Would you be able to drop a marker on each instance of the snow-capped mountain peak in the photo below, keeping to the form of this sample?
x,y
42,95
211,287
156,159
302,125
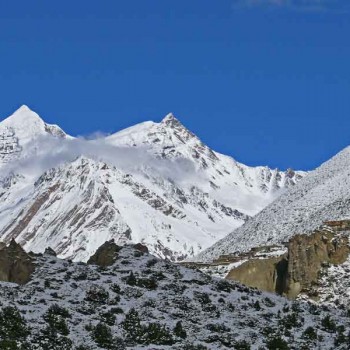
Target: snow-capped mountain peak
x,y
22,129
23,118
170,117
170,121
27,124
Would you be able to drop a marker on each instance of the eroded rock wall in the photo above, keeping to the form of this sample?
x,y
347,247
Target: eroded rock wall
x,y
265,274
306,256
299,270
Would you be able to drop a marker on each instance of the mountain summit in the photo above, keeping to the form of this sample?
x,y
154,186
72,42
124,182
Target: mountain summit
x,y
20,129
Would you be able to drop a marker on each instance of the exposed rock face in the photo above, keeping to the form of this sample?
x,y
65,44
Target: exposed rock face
x,y
15,264
297,271
9,147
306,256
105,255
265,274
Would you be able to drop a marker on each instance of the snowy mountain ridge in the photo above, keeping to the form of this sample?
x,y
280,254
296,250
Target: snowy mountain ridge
x,y
155,183
322,196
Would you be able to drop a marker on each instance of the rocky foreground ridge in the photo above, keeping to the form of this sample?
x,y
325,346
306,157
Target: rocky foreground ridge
x,y
125,298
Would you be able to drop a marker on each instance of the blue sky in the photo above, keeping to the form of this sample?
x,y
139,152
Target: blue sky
x,y
266,81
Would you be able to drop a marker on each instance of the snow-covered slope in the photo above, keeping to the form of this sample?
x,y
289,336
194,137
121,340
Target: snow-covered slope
x,y
140,302
321,196
155,183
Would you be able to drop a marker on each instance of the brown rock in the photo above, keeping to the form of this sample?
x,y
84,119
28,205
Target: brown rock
x,y
307,254
15,264
265,274
299,270
142,248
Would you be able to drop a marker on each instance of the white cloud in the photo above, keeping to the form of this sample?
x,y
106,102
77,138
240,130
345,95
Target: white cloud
x,y
46,153
301,5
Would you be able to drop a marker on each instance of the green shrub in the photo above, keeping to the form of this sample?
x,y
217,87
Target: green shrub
x,y
12,326
108,317
328,324
49,339
115,288
97,294
131,279
277,343
224,286
269,303
55,317
310,333
257,306
102,335
241,345
132,326
291,320
179,331
157,334
148,283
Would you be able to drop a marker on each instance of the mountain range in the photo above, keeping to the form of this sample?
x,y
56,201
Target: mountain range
x,y
155,183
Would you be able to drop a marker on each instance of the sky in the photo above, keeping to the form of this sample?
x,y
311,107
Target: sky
x,y
265,81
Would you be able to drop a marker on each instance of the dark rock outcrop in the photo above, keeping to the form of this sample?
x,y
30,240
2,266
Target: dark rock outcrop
x,y
15,264
105,255
50,251
142,248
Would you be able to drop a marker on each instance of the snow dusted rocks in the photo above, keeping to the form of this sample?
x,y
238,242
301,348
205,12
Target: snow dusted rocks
x,y
140,302
155,183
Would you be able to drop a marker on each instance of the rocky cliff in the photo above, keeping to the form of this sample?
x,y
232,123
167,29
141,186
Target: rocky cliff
x,y
308,254
297,271
265,274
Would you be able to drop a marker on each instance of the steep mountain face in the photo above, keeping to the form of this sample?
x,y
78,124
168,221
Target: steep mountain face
x,y
139,302
154,183
249,188
322,196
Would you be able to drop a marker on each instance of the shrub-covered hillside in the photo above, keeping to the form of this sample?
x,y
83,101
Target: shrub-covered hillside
x,y
140,302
